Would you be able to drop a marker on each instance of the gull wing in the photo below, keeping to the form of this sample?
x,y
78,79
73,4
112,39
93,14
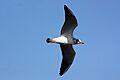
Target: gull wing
x,y
70,22
68,54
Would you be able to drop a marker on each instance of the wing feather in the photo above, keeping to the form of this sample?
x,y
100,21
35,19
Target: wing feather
x,y
70,22
68,54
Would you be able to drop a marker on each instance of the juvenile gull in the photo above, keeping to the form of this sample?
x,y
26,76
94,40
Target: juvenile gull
x,y
66,40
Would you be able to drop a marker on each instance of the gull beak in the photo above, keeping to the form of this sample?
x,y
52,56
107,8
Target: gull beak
x,y
82,42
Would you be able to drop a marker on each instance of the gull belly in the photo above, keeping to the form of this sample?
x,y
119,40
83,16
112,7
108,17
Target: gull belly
x,y
61,39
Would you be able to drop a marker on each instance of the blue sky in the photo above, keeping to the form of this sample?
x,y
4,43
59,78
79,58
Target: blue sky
x,y
25,25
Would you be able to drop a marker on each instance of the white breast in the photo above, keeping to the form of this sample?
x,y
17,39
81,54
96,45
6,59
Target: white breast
x,y
61,39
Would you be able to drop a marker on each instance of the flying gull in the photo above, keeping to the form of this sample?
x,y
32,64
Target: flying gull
x,y
66,40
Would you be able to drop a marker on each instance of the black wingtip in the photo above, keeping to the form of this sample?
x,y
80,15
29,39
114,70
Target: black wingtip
x,y
60,74
68,12
65,6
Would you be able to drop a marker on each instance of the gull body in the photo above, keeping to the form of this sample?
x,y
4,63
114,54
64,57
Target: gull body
x,y
66,40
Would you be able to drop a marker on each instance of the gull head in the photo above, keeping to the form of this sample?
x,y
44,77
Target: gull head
x,y
78,41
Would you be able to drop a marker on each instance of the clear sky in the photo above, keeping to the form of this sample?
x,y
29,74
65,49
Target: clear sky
x,y
25,25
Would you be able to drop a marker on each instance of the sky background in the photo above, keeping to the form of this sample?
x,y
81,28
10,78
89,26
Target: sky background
x,y
25,25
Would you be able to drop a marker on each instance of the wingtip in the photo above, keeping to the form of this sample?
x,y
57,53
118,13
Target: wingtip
x,y
65,6
60,74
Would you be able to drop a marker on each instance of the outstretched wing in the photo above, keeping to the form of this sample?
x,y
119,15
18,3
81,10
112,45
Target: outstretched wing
x,y
70,22
68,54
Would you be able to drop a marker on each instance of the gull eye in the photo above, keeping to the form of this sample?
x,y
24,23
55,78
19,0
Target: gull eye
x,y
77,41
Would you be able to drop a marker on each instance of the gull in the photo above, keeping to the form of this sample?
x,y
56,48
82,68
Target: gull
x,y
66,40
